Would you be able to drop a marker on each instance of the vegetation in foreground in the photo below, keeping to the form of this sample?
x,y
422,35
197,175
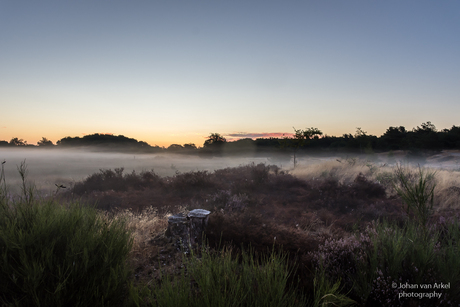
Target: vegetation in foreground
x,y
55,255
344,237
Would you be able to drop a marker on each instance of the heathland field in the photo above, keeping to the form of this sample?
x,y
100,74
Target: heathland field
x,y
344,231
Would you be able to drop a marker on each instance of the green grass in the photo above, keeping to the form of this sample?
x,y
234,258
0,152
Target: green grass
x,y
53,255
327,293
224,279
417,192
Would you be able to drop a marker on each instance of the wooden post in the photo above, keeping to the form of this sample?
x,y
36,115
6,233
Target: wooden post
x,y
187,231
198,222
178,229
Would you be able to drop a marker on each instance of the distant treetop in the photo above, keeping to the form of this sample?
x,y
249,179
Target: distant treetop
x,y
215,139
45,142
104,140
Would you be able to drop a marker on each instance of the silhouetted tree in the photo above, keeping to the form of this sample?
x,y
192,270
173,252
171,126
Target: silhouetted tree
x,y
45,142
425,137
394,138
426,128
215,139
109,140
361,138
18,142
69,141
299,139
451,138
190,146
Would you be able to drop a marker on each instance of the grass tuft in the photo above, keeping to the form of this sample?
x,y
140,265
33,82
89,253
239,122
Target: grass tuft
x,y
222,279
417,192
54,255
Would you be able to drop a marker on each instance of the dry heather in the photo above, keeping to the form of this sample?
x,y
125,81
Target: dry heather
x,y
345,171
259,206
342,170
149,253
315,199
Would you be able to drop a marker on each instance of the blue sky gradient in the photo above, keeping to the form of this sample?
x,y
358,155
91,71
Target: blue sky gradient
x,y
174,71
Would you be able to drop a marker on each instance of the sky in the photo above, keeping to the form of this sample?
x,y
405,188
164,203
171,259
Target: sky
x,y
172,72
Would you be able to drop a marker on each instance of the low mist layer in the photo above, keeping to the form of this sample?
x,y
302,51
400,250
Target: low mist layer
x,y
49,167
46,168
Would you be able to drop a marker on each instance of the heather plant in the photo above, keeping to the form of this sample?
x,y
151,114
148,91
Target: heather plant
x,y
260,172
248,178
337,259
192,180
370,264
115,180
225,200
309,222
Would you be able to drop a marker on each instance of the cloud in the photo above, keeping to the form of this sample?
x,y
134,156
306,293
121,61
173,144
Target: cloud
x,y
254,135
4,127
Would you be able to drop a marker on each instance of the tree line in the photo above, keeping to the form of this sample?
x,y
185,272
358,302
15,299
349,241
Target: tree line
x,y
425,137
102,141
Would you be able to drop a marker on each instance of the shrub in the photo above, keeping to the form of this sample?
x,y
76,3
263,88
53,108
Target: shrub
x,y
337,259
57,256
115,180
225,200
399,255
417,192
447,251
192,181
371,266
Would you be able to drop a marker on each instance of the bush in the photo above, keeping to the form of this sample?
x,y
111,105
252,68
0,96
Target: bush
x,y
417,192
115,180
372,266
57,256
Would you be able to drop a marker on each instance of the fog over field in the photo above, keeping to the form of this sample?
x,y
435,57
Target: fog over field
x,y
61,166
66,166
